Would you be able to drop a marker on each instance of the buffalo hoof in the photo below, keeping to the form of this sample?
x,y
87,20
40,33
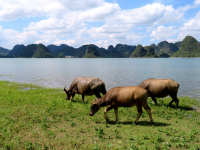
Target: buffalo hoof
x,y
91,114
135,122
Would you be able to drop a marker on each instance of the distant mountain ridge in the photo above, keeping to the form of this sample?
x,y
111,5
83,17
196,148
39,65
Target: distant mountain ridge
x,y
166,48
3,51
30,51
17,49
189,47
56,50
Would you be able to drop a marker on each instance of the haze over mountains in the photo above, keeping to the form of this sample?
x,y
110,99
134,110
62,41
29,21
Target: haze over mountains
x,y
189,47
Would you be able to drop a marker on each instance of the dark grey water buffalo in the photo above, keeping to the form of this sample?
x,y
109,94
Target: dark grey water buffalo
x,y
85,86
161,88
122,97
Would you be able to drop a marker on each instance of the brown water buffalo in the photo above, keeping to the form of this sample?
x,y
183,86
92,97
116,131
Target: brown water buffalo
x,y
85,86
161,88
122,97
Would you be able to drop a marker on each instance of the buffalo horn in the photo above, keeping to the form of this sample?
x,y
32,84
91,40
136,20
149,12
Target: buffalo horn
x,y
65,89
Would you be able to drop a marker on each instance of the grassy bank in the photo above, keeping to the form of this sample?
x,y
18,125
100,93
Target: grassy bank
x,y
32,117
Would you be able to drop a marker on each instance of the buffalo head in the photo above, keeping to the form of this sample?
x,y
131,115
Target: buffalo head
x,y
68,93
94,107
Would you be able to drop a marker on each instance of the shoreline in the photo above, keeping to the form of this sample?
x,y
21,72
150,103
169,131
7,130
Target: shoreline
x,y
94,57
48,87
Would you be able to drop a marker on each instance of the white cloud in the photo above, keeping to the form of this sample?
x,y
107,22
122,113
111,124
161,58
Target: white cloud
x,y
163,33
115,37
67,42
193,24
54,26
197,2
103,43
143,15
79,5
149,15
74,22
118,28
71,22
191,27
13,9
172,15
100,13
9,38
151,40
164,1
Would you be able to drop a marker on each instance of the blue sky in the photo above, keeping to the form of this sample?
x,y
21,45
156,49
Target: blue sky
x,y
100,22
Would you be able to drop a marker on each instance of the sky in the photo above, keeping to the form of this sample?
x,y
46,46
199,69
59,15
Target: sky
x,y
99,22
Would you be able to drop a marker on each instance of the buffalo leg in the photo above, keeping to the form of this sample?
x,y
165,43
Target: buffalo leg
x,y
103,91
148,109
83,98
116,114
174,99
155,101
139,110
96,92
177,101
106,110
97,95
170,104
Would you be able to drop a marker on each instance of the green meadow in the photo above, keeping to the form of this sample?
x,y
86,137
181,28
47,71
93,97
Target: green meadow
x,y
33,117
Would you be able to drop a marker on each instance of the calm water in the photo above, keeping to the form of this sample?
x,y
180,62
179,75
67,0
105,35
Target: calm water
x,y
113,71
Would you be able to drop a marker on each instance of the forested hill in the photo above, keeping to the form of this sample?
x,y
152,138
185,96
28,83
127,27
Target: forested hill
x,y
91,52
141,51
189,47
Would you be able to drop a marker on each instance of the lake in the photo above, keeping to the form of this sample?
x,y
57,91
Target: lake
x,y
58,72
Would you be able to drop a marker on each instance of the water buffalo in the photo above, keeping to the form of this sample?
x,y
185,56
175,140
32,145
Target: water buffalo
x,y
122,97
161,88
85,86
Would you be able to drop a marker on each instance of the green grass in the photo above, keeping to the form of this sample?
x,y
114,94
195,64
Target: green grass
x,y
32,117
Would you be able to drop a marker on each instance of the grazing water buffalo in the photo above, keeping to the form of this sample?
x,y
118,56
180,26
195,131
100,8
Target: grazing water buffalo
x,y
85,86
161,88
122,97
